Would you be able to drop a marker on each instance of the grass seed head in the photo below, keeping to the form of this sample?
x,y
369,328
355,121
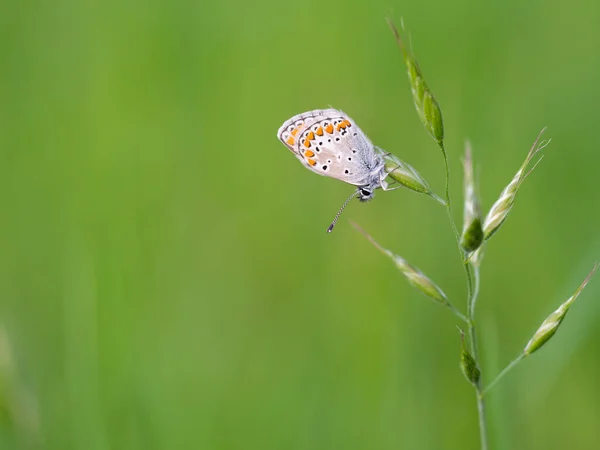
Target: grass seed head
x,y
406,175
472,235
499,211
468,366
553,321
427,107
419,280
414,276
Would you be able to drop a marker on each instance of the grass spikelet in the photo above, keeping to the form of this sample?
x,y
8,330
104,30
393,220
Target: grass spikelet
x,y
414,276
472,235
406,175
499,211
468,365
427,106
553,321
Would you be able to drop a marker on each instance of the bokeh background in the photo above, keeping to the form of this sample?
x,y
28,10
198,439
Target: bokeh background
x,y
166,281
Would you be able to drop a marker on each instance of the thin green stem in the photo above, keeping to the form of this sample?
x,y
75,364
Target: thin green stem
x,y
473,282
458,314
478,388
441,144
475,289
454,230
507,369
481,413
472,298
448,200
467,268
472,293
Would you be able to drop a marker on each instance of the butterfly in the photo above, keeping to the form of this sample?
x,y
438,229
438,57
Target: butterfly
x,y
328,142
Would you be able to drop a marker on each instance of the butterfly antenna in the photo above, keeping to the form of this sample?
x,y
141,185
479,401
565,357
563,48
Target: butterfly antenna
x,y
337,216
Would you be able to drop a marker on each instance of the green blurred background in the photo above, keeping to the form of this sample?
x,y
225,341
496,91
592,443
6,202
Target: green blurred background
x,y
166,281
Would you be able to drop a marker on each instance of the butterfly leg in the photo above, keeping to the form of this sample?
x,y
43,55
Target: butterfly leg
x,y
382,152
387,188
387,173
384,184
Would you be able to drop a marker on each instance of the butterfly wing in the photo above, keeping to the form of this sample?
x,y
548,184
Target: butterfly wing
x,y
288,133
329,143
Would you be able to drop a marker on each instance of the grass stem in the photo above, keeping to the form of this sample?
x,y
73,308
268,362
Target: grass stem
x,y
472,293
507,369
458,314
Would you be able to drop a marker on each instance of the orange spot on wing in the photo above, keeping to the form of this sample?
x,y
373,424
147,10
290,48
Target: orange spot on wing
x,y
290,141
343,124
312,162
320,131
307,144
310,136
329,128
309,154
347,122
294,131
